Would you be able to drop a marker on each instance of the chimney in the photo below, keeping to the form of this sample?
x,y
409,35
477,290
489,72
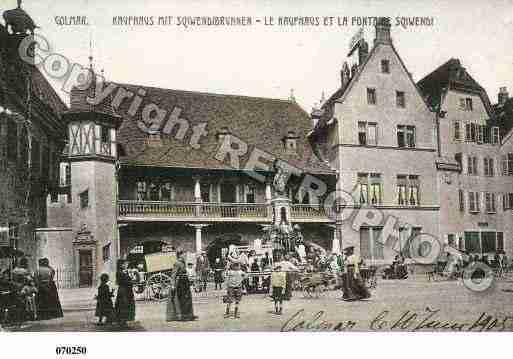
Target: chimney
x,y
363,51
503,95
383,31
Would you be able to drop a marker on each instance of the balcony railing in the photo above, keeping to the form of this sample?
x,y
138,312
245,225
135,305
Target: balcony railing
x,y
160,209
311,211
156,210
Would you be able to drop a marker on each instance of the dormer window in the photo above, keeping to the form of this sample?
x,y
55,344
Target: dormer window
x,y
290,142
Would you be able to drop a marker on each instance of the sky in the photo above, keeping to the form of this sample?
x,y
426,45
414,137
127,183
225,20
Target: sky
x,y
269,61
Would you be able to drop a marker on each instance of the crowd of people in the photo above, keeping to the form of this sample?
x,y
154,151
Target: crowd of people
x,y
29,295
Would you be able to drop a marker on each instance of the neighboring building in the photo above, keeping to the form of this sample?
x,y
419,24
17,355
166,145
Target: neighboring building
x,y
472,174
32,136
133,189
379,134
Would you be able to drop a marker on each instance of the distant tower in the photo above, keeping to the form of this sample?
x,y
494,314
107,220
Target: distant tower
x,y
92,156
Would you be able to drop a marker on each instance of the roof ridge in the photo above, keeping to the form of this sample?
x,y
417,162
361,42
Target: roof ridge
x,y
207,93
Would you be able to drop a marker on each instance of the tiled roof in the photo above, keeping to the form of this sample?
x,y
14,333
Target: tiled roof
x,y
259,122
450,75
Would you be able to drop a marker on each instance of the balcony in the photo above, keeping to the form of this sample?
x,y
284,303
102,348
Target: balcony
x,y
192,212
162,211
311,213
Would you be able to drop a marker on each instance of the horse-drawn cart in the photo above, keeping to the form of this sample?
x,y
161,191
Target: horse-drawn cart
x,y
155,282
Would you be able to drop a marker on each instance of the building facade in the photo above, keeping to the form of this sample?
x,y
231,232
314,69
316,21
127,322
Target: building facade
x,y
472,214
379,133
433,156
199,178
31,140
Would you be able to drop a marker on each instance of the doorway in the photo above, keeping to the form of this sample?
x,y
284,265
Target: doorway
x,y
85,260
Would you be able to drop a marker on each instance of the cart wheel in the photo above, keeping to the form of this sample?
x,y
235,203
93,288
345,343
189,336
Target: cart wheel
x,y
159,285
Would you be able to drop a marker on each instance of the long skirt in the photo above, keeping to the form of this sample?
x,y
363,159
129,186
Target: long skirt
x,y
48,303
353,288
125,304
179,302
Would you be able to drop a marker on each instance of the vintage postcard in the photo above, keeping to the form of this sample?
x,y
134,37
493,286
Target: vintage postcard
x,y
246,166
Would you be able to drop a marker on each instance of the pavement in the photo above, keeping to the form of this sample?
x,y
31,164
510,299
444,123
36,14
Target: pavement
x,y
414,304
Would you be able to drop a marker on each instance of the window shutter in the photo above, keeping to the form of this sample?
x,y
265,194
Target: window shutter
x,y
504,161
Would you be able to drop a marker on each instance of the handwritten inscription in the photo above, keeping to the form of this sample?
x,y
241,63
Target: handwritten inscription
x,y
427,320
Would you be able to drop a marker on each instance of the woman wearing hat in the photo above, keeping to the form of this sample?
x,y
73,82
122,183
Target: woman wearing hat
x,y
179,302
353,286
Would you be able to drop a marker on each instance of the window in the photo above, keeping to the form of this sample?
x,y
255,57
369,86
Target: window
x,y
401,139
371,96
466,104
473,132
507,164
369,189
363,189
362,133
480,133
495,135
385,66
106,252
484,242
468,132
54,196
490,202
401,190
405,136
370,243
249,193
375,189
507,201
400,100
142,194
461,198
408,190
372,134
488,167
12,140
367,133
473,202
457,131
458,158
472,165
84,199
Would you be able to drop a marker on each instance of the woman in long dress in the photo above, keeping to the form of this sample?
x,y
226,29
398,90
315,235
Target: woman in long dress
x,y
179,302
125,302
48,303
353,287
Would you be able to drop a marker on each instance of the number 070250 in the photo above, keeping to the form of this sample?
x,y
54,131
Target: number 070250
x,y
70,350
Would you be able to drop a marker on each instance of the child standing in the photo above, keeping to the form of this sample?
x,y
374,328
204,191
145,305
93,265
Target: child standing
x,y
104,306
234,279
278,283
